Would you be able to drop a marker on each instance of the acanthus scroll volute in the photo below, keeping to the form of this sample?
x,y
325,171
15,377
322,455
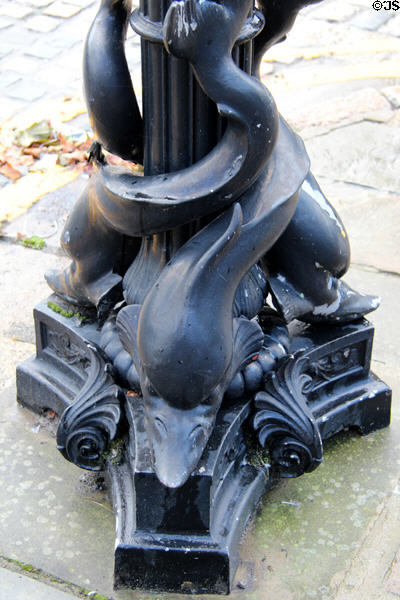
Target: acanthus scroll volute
x,y
89,424
284,422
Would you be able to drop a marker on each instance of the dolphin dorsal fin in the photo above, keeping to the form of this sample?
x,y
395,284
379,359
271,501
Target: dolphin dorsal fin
x,y
248,339
220,247
127,325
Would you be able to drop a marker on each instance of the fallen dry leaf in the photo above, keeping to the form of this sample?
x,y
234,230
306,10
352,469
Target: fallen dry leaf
x,y
116,161
37,132
76,156
32,151
26,160
9,171
36,143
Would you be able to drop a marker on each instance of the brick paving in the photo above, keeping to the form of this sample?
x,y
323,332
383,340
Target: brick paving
x,y
41,45
37,36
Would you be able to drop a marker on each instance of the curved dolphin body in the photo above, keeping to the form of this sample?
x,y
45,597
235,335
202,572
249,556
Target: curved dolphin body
x,y
185,341
118,202
139,206
110,98
188,340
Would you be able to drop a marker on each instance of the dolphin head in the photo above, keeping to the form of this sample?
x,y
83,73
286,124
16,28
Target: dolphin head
x,y
187,346
182,379
177,437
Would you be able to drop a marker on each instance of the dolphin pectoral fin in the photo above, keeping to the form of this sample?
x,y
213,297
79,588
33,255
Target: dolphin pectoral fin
x,y
248,339
127,324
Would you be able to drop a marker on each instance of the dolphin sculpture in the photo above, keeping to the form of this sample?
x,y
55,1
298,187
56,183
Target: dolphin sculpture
x,y
190,336
118,202
185,340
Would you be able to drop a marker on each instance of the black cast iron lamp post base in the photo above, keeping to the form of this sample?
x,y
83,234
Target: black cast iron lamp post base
x,y
216,314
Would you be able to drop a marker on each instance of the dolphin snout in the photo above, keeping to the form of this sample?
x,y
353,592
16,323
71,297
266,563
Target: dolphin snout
x,y
176,454
177,438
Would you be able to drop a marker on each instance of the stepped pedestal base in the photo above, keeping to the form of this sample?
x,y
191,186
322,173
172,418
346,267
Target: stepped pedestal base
x,y
187,539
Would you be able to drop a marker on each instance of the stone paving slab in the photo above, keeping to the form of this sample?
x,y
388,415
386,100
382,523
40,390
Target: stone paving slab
x,y
18,587
335,12
22,287
375,569
54,521
313,38
371,218
392,93
19,196
371,159
49,518
367,104
62,9
27,90
46,218
15,10
50,27
392,27
369,19
13,352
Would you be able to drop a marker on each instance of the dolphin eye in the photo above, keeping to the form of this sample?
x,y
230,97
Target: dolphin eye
x,y
196,431
160,425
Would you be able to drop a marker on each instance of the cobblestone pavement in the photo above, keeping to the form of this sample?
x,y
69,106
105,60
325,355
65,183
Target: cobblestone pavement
x,y
41,50
333,534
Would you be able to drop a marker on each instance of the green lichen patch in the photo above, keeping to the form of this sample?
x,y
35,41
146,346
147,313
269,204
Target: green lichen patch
x,y
115,453
68,314
28,568
256,455
40,575
35,242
